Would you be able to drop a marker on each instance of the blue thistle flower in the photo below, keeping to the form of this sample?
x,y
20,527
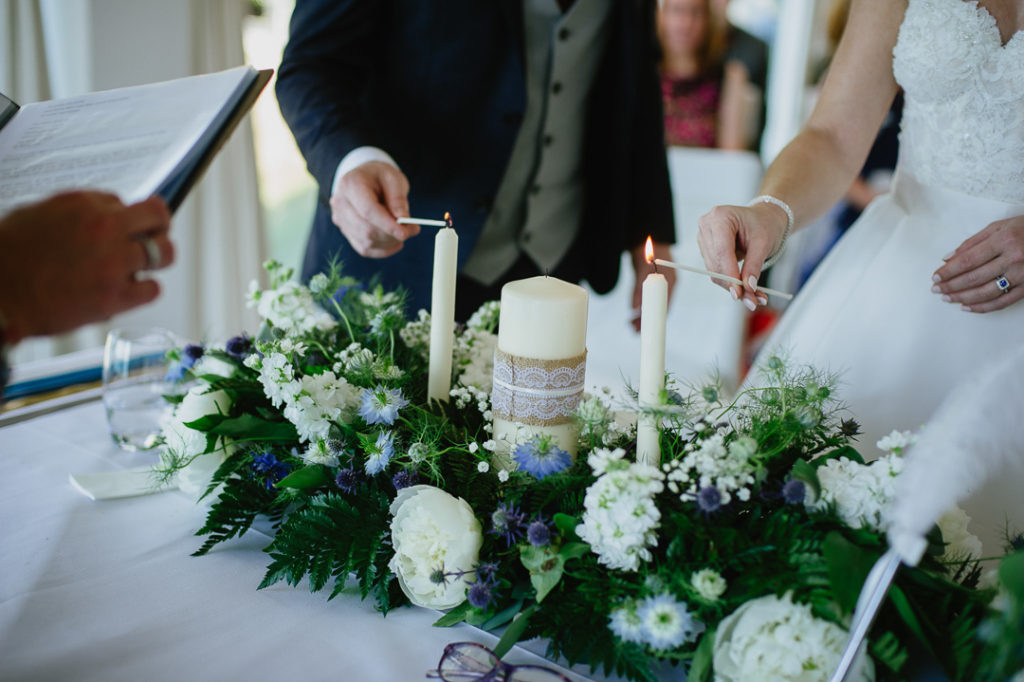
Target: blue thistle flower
x,y
190,354
540,457
380,453
487,571
238,346
507,521
794,491
380,405
709,499
538,533
175,373
347,480
480,595
404,479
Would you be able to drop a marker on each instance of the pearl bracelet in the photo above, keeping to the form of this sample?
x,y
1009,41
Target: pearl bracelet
x,y
769,199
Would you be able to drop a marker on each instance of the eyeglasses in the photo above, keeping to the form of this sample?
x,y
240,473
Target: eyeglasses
x,y
472,662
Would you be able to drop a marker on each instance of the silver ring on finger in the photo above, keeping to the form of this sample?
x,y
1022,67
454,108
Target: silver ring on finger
x,y
152,253
1003,284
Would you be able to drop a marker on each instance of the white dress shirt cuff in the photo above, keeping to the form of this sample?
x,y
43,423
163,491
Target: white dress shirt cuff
x,y
357,157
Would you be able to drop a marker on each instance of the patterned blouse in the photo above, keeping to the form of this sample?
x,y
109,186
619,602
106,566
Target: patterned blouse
x,y
691,109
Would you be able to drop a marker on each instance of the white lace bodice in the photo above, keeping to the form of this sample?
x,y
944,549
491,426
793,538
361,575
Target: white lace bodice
x,y
963,115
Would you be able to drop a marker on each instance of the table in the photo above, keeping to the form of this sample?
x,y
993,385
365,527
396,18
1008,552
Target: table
x,y
107,590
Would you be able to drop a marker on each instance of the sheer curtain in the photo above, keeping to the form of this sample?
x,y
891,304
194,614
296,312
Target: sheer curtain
x,y
218,229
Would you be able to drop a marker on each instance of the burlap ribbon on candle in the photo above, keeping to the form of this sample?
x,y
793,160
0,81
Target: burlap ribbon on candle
x,y
537,392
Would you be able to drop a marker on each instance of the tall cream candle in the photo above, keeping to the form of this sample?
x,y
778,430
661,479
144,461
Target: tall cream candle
x,y
442,314
540,362
653,311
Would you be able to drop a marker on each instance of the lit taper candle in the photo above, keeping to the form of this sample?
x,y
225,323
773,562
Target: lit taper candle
x,y
653,312
442,312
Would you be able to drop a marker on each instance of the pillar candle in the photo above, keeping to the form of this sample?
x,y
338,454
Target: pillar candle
x,y
653,311
539,362
442,314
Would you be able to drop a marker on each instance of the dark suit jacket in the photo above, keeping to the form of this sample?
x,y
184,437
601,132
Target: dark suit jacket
x,y
440,87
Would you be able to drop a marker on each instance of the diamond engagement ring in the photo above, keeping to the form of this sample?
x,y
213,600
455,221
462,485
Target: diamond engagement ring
x,y
152,253
1003,284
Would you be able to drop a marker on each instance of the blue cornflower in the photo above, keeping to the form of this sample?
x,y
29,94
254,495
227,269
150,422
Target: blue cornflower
x,y
238,346
381,405
507,521
540,457
538,533
267,466
404,479
709,499
480,595
380,453
794,491
190,354
347,480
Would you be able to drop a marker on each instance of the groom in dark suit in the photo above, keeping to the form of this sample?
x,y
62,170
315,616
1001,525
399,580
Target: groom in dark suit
x,y
536,123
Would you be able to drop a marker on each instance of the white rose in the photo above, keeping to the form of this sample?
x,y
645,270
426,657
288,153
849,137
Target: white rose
x,y
774,639
432,530
187,443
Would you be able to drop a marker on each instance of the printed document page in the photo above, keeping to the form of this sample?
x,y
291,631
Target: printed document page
x,y
124,141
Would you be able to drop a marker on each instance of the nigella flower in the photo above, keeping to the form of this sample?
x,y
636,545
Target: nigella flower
x,y
667,623
404,479
480,595
507,521
709,499
538,533
381,405
190,354
794,492
267,466
348,480
626,624
238,346
540,457
380,453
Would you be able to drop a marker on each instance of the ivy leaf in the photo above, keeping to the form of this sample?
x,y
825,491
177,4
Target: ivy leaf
x,y
514,632
545,568
312,476
806,473
566,525
574,550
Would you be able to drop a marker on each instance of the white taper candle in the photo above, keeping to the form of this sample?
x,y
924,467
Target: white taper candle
x,y
653,311
442,314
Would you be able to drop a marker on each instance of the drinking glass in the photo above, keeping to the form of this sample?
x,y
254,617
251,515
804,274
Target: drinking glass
x,y
134,382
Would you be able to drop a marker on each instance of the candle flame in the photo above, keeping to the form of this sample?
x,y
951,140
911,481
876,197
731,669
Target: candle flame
x,y
649,250
448,218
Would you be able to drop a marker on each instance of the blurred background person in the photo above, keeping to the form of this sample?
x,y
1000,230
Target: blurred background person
x,y
706,99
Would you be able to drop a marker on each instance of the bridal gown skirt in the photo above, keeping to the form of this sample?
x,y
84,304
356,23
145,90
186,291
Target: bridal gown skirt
x,y
868,314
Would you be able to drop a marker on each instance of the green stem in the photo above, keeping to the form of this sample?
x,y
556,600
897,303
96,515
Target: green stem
x,y
344,318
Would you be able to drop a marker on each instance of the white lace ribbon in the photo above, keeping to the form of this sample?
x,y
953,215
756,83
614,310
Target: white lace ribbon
x,y
537,392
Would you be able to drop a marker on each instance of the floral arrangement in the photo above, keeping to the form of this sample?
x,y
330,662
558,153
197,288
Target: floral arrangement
x,y
739,557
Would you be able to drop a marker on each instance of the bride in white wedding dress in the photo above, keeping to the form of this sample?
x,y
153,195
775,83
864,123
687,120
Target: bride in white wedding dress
x,y
925,288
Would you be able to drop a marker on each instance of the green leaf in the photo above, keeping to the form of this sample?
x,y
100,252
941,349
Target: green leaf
x,y
1011,575
846,451
514,632
566,525
700,667
805,472
545,568
455,616
503,617
909,616
251,427
312,476
206,423
574,550
848,567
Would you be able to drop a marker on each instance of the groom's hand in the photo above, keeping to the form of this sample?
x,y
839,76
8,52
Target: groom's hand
x,y
368,200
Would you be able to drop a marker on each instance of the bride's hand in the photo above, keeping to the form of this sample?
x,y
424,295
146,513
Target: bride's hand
x,y
730,234
973,273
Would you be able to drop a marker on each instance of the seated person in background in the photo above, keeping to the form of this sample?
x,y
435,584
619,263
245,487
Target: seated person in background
x,y
705,98
74,259
746,59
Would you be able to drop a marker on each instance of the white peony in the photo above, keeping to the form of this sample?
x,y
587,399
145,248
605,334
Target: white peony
x,y
432,531
961,544
774,639
189,444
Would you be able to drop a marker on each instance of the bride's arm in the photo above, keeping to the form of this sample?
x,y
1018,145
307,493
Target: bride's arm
x,y
817,167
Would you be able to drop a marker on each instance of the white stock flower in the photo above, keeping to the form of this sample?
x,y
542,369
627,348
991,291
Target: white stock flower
x,y
620,520
433,531
321,399
708,583
278,379
774,639
291,307
897,441
861,493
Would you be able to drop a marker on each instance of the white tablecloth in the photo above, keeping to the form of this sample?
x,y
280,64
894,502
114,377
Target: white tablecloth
x,y
107,590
